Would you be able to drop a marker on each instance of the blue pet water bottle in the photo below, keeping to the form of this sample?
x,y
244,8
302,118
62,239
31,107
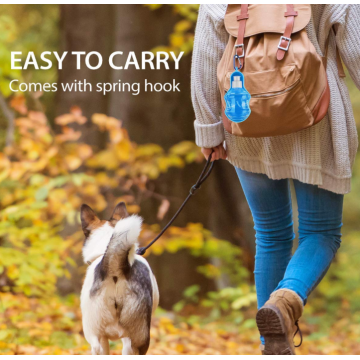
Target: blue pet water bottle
x,y
237,99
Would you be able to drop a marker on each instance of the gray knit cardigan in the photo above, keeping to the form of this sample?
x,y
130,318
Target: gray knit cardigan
x,y
323,154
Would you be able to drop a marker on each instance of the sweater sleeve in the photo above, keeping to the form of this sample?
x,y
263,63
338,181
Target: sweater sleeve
x,y
348,41
209,45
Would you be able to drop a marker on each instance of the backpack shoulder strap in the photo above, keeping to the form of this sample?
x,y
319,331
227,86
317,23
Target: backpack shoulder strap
x,y
339,65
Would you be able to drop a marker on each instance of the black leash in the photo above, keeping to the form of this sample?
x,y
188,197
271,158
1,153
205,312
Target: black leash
x,y
203,176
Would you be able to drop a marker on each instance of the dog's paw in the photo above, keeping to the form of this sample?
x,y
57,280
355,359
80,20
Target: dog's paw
x,y
96,350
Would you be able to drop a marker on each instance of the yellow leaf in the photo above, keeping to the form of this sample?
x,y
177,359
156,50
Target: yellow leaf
x,y
122,150
148,150
116,135
105,159
176,40
18,103
179,348
72,162
105,122
133,209
183,148
74,117
84,151
183,25
37,117
68,134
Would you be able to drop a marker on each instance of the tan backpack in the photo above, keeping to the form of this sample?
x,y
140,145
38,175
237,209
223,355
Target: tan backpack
x,y
284,75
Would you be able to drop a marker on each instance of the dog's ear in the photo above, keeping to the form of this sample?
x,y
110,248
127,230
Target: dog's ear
x,y
88,217
119,213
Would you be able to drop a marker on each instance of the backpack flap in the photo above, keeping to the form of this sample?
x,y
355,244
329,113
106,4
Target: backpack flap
x,y
273,14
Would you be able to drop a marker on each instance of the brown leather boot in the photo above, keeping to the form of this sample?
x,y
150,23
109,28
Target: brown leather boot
x,y
277,322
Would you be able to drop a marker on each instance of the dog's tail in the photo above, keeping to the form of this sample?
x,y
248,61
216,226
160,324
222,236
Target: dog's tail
x,y
120,253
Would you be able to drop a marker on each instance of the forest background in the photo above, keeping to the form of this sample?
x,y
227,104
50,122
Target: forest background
x,y
61,149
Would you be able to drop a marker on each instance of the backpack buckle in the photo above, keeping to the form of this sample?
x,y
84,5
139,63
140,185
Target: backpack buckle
x,y
285,39
243,50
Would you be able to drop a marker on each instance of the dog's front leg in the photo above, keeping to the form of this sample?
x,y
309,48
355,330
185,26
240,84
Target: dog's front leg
x,y
100,346
131,347
127,347
104,342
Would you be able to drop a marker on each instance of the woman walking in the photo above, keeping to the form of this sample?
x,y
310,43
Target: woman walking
x,y
319,159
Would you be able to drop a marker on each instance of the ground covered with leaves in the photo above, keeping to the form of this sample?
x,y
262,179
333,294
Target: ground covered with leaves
x,y
53,326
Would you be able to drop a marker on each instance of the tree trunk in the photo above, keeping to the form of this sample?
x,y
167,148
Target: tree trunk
x,y
85,28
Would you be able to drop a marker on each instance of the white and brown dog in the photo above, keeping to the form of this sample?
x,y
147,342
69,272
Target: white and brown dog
x,y
120,292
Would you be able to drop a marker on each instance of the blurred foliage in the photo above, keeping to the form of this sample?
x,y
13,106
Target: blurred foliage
x,y
200,242
182,37
223,307
44,178
27,28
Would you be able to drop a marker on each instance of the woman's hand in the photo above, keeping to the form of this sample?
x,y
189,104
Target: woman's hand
x,y
219,152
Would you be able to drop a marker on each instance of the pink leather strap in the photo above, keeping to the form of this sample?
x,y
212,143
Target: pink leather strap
x,y
240,49
286,38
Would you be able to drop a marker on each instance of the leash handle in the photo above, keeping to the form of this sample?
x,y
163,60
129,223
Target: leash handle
x,y
203,176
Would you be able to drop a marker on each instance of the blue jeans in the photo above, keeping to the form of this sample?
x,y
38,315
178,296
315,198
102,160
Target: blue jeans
x,y
320,221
